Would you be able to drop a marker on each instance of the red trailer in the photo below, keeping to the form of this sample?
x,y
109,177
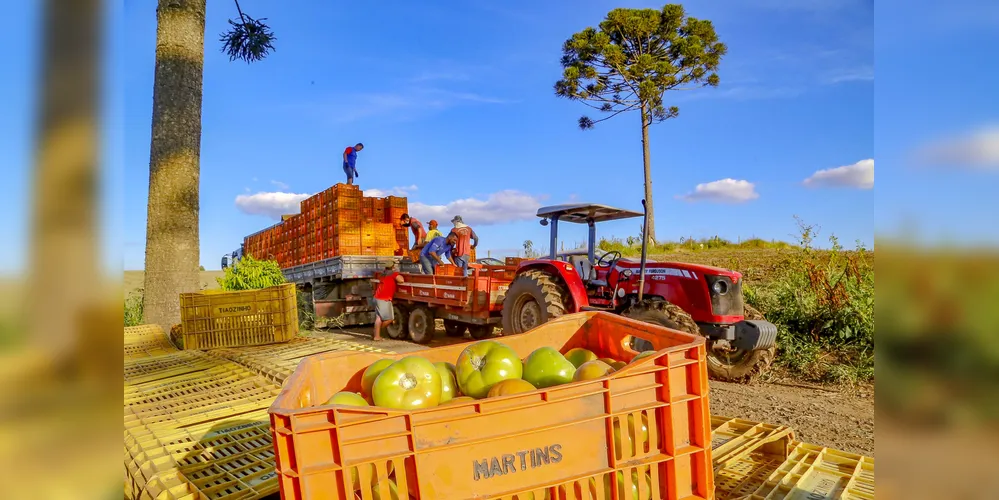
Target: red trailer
x,y
474,303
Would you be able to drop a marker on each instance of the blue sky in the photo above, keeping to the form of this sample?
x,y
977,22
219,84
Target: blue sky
x,y
458,102
456,109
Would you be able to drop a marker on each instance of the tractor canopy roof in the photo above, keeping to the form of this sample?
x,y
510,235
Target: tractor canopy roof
x,y
581,213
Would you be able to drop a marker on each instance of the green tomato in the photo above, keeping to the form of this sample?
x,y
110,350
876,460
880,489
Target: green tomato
x,y
355,475
624,441
643,354
347,399
408,384
577,356
484,364
449,385
634,493
546,367
393,490
371,373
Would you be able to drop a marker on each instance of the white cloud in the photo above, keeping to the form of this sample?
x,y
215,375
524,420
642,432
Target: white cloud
x,y
498,208
976,150
407,104
428,76
396,191
280,185
860,175
848,75
723,191
272,205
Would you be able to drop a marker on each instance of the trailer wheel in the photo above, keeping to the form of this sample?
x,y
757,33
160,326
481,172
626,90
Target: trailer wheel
x,y
399,327
454,328
479,332
421,325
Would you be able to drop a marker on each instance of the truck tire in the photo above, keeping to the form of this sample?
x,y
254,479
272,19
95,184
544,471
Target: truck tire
x,y
421,325
454,328
399,327
479,332
534,298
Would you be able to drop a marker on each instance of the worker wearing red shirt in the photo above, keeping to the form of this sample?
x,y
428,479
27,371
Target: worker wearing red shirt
x,y
350,162
467,240
384,313
419,234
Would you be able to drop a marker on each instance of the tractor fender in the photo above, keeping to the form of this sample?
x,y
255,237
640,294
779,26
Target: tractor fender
x,y
565,272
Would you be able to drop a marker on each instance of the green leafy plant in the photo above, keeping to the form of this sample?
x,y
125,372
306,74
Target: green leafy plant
x,y
133,309
248,39
306,310
251,274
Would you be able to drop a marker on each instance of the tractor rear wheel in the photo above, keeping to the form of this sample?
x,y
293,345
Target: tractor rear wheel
x,y
454,328
534,298
399,327
421,325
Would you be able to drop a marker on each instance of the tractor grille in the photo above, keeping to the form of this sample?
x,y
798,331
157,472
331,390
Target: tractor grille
x,y
728,304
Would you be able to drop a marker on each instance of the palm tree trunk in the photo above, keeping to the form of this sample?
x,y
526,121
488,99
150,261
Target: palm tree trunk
x,y
648,174
172,239
63,271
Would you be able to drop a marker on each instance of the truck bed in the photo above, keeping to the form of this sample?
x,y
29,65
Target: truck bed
x,y
343,267
480,294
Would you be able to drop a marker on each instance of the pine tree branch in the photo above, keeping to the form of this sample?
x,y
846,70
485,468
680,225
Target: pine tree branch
x,y
608,117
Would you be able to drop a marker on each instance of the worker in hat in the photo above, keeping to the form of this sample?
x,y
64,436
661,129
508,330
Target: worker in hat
x,y
466,241
433,232
419,234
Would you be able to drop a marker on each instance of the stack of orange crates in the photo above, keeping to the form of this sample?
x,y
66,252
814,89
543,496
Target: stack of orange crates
x,y
337,221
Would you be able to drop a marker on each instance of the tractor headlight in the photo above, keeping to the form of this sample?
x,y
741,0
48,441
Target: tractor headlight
x,y
720,287
626,274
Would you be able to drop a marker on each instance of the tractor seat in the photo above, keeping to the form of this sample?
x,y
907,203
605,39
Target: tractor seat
x,y
593,281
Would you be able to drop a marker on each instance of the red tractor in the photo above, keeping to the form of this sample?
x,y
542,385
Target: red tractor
x,y
698,299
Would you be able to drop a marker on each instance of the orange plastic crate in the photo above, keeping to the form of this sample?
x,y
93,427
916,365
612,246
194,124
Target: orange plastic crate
x,y
556,442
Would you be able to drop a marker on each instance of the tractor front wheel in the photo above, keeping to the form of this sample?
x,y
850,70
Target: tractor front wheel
x,y
724,363
729,364
739,365
534,298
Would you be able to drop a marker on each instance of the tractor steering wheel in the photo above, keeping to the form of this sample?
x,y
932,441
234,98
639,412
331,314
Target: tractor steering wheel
x,y
610,262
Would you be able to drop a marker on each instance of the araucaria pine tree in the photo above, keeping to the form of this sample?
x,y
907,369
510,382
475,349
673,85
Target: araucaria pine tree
x,y
629,63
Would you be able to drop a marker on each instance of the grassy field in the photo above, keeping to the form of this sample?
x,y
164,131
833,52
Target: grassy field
x,y
134,279
822,301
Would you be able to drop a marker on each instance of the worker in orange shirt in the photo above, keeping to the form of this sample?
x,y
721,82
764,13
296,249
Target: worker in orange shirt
x,y
467,240
419,234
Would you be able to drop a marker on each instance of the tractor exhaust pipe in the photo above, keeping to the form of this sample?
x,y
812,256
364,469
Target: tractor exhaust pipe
x,y
645,249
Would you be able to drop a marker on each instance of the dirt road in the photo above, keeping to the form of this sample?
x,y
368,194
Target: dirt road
x,y
826,416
